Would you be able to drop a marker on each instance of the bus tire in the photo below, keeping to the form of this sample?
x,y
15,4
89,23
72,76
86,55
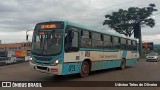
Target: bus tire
x,y
123,64
85,69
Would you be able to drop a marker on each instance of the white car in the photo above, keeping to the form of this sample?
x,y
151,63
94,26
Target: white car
x,y
152,57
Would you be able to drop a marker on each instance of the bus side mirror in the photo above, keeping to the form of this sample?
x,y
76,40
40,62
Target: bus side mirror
x,y
27,37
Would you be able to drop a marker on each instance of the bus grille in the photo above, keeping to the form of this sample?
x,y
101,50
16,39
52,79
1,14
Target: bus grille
x,y
43,58
42,68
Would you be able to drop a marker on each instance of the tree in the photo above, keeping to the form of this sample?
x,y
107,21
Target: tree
x,y
124,21
129,21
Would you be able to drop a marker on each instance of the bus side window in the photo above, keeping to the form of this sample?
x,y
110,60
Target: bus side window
x,y
75,39
68,37
71,39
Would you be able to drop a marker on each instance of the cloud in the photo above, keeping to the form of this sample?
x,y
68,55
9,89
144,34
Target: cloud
x,y
151,38
17,16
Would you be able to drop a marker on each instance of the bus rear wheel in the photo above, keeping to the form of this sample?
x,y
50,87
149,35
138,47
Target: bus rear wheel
x,y
123,64
85,69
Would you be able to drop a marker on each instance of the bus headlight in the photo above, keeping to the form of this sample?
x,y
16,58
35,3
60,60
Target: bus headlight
x,y
56,62
31,58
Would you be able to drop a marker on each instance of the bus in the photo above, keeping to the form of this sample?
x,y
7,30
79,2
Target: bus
x,y
64,47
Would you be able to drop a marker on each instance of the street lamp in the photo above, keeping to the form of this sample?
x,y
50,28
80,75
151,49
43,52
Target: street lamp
x,y
27,35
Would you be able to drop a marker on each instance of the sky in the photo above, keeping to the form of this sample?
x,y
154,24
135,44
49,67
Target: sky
x,y
17,16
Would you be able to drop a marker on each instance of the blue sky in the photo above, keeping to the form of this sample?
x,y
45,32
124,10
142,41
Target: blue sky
x,y
17,16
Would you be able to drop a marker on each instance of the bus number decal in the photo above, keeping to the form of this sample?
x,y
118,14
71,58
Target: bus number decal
x,y
71,68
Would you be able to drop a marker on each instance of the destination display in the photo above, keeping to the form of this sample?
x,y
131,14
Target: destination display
x,y
50,25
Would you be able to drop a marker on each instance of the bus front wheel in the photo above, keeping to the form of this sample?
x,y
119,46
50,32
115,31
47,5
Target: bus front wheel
x,y
84,69
123,64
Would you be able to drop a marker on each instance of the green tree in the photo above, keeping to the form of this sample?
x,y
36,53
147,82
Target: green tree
x,y
124,21
129,21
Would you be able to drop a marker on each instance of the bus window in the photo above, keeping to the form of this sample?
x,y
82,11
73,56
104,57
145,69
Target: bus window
x,y
123,43
116,43
71,39
85,38
75,39
107,41
134,45
96,40
129,46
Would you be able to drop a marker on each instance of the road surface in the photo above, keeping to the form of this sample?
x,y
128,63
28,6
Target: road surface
x,y
143,71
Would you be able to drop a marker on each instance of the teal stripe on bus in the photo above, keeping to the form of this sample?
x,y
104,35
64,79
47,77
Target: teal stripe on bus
x,y
102,50
131,62
75,67
105,64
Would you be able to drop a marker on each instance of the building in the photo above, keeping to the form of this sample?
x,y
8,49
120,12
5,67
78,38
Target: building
x,y
24,46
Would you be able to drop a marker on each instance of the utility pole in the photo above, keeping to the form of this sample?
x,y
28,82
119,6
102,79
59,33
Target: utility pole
x,y
27,34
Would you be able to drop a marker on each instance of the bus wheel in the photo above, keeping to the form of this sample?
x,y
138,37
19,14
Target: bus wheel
x,y
123,64
84,69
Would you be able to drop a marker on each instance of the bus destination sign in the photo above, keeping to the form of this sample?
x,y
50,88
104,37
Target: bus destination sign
x,y
50,25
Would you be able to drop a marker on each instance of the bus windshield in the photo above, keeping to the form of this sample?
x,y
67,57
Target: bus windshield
x,y
47,42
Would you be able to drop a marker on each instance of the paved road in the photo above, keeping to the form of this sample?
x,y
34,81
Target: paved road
x,y
143,71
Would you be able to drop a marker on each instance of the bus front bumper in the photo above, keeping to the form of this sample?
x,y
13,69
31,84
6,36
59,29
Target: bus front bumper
x,y
56,70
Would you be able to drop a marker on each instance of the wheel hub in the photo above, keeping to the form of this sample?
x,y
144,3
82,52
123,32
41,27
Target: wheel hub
x,y
85,69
